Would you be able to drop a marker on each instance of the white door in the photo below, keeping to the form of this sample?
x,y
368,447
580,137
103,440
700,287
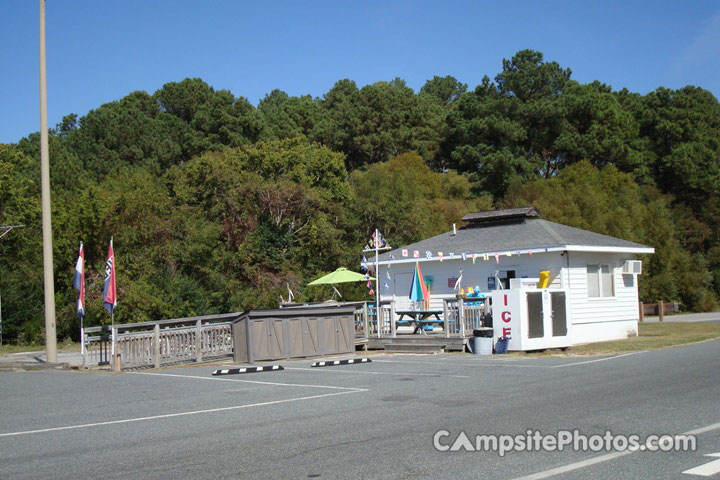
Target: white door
x,y
401,287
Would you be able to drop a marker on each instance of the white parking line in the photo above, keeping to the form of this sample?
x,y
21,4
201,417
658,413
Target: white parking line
x,y
335,370
258,382
602,458
495,363
492,363
170,415
574,466
614,357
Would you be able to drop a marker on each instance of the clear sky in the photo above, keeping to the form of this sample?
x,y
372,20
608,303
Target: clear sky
x,y
101,50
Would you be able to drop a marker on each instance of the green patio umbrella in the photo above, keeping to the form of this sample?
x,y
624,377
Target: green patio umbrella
x,y
341,275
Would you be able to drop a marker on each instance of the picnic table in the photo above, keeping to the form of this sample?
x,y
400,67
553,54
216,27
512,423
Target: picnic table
x,y
420,318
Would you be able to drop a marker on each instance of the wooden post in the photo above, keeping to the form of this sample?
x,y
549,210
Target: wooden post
x,y
366,320
461,316
661,308
83,337
446,323
198,341
113,337
156,345
642,311
378,325
393,327
116,362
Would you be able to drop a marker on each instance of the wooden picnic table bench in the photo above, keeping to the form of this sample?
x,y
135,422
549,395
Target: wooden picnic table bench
x,y
420,318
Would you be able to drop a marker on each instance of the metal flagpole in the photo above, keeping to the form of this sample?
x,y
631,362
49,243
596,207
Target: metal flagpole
x,y
376,247
377,279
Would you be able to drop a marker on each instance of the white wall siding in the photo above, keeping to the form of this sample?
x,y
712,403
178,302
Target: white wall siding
x,y
597,319
473,274
593,319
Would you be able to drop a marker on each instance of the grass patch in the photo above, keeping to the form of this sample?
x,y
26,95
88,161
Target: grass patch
x,y
651,336
7,349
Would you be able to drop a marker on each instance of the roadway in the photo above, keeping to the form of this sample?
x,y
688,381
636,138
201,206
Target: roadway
x,y
374,420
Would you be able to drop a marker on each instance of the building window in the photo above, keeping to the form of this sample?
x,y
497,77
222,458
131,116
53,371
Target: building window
x,y
504,277
600,281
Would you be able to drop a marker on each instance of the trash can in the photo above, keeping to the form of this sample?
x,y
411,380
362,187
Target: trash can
x,y
483,341
502,345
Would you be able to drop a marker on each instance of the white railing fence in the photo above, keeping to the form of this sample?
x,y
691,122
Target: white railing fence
x,y
152,344
464,314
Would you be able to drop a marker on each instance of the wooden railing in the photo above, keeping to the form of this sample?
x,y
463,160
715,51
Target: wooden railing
x,y
660,309
464,314
96,348
386,326
152,344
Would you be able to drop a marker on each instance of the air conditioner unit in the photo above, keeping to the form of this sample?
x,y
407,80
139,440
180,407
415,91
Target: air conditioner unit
x,y
632,267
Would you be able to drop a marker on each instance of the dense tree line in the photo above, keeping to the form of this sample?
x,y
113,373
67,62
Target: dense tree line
x,y
216,205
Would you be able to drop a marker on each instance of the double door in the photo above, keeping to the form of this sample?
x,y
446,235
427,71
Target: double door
x,y
275,338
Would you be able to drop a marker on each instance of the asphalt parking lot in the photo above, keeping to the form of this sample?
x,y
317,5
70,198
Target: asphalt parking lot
x,y
372,420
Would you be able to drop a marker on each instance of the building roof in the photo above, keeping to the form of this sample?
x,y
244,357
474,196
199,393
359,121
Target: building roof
x,y
516,230
502,215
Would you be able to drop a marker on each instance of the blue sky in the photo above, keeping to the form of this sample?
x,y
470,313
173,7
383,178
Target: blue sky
x,y
99,51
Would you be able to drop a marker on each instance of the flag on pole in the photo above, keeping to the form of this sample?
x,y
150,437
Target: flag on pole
x,y
377,240
79,282
364,264
109,291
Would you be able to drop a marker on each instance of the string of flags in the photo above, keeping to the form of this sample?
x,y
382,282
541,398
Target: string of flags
x,y
465,255
377,242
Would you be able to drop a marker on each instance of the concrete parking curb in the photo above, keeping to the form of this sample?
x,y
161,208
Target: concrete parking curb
x,y
28,366
341,362
236,371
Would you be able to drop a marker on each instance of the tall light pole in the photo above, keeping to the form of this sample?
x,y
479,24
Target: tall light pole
x,y
50,336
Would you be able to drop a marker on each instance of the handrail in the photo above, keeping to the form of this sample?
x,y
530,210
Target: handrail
x,y
146,344
223,317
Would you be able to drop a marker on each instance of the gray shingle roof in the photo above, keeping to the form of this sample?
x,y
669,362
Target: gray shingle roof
x,y
530,233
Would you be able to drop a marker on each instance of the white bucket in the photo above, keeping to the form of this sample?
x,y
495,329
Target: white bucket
x,y
482,345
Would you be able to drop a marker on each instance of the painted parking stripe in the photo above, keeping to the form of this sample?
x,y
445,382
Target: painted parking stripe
x,y
256,382
496,362
348,361
239,371
708,469
170,415
614,357
365,372
602,458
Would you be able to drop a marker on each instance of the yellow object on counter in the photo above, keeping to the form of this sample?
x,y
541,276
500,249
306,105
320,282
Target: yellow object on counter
x,y
544,279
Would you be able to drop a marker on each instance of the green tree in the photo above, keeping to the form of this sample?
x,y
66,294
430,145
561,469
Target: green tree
x,y
277,205
379,121
407,201
447,90
608,201
289,117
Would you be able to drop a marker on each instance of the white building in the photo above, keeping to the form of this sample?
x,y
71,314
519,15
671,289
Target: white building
x,y
596,272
